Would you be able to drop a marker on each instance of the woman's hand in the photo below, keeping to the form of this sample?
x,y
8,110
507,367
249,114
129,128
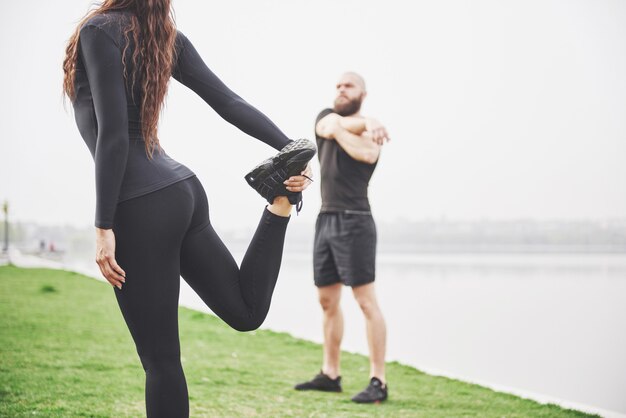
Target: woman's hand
x,y
299,183
105,257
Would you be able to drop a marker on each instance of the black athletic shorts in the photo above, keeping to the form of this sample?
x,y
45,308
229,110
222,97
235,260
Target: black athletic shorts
x,y
345,248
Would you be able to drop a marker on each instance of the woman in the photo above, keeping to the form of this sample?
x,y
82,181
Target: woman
x,y
152,220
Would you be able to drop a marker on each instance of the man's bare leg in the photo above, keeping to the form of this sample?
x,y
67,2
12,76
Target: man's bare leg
x,y
365,295
330,297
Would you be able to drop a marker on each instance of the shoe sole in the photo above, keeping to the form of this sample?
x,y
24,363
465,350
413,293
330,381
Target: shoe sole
x,y
320,390
290,161
299,151
377,401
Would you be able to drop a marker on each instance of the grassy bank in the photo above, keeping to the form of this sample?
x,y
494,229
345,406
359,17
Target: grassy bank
x,y
66,352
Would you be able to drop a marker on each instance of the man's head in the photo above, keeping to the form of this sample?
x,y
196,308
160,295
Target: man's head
x,y
350,94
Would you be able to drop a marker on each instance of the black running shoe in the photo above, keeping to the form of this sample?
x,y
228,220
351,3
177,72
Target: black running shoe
x,y
267,178
375,392
321,382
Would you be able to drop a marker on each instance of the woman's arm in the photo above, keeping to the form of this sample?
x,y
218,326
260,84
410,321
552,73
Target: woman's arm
x,y
191,71
103,64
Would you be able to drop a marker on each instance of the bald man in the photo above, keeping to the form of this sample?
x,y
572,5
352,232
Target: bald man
x,y
345,234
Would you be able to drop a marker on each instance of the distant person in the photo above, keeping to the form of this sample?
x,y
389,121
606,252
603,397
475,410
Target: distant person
x,y
152,215
345,234
42,245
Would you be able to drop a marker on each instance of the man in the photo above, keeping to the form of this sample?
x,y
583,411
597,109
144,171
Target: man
x,y
345,234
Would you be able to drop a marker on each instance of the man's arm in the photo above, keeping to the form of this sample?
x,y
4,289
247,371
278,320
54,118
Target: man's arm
x,y
360,147
358,125
353,124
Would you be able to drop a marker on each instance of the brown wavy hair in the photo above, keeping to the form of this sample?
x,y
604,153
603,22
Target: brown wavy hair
x,y
153,28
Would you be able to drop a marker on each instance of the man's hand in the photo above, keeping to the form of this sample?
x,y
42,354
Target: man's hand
x,y
299,183
377,130
105,257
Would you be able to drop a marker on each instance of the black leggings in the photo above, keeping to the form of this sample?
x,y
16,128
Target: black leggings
x,y
166,234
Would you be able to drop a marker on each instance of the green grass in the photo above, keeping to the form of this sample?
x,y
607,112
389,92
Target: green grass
x,y
66,352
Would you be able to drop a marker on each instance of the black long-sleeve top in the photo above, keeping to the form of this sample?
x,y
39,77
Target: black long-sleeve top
x,y
107,113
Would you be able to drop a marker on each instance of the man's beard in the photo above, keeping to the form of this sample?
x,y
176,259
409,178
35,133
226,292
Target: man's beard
x,y
348,108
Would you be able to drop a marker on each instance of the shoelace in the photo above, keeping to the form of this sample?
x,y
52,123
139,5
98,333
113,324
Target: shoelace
x,y
299,204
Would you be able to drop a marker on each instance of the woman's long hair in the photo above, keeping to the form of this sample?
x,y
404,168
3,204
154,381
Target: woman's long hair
x,y
154,32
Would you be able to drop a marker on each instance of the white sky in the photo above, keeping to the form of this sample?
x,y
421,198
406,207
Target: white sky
x,y
497,109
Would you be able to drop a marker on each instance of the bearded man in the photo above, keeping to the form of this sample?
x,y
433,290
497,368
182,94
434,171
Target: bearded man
x,y
345,234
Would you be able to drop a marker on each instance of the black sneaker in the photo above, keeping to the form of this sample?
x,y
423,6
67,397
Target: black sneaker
x,y
321,382
267,178
375,392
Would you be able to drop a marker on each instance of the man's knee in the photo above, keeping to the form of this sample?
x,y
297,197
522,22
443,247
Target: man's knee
x,y
368,307
329,297
366,298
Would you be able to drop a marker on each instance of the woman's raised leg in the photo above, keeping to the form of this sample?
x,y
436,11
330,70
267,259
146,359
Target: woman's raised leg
x,y
241,296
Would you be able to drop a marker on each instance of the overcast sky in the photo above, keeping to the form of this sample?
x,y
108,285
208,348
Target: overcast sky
x,y
497,109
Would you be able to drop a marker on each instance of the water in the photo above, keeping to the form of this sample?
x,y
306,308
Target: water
x,y
551,326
